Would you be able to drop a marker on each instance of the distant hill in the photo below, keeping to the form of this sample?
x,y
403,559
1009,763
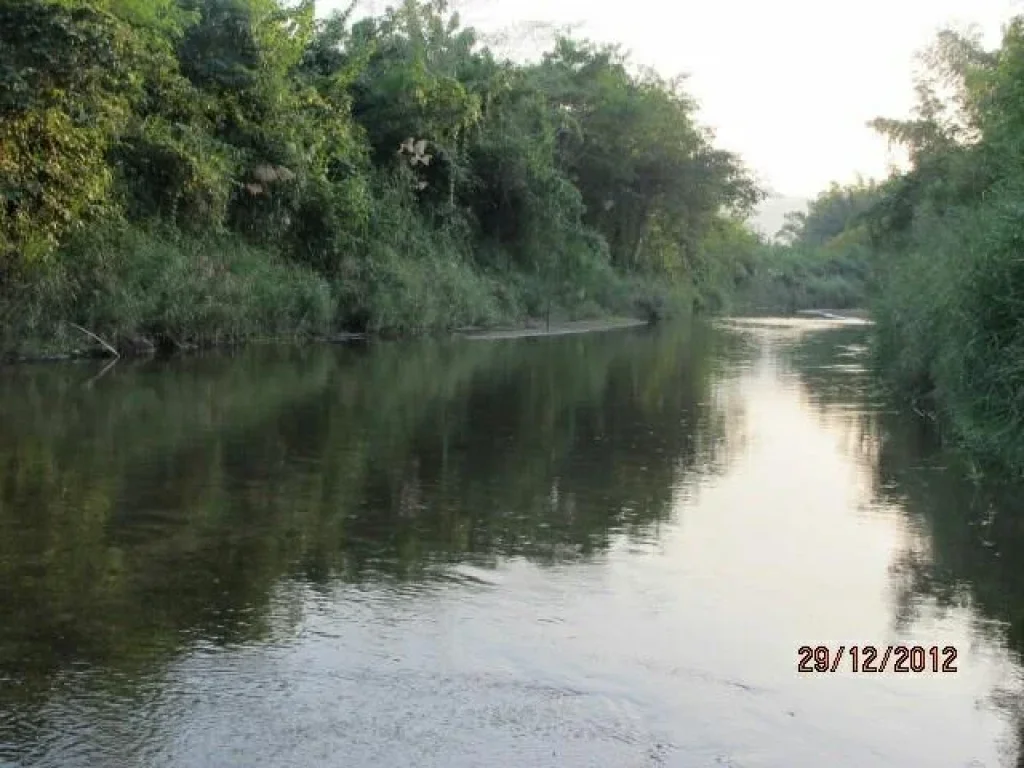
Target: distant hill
x,y
771,214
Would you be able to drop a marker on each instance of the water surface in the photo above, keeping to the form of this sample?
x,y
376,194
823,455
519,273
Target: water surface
x,y
594,550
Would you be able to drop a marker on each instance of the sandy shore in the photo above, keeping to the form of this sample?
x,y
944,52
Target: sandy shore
x,y
836,314
557,329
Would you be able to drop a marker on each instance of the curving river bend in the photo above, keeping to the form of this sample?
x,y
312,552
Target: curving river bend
x,y
594,550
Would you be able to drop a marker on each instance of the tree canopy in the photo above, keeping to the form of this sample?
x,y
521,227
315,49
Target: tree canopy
x,y
938,244
373,153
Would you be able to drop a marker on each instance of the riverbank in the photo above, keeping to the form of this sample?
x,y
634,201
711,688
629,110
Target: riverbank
x,y
131,292
806,318
556,329
836,314
142,347
290,185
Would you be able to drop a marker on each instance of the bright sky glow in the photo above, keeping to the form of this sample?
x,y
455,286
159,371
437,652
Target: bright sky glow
x,y
788,84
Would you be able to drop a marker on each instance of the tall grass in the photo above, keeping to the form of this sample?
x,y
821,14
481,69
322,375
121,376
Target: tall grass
x,y
393,294
413,275
154,285
145,287
950,323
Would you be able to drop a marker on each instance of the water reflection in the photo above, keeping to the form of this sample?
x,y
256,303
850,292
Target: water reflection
x,y
968,525
972,523
164,503
582,550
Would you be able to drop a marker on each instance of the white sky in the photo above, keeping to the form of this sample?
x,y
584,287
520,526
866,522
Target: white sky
x,y
788,84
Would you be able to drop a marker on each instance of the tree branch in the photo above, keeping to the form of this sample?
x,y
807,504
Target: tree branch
x,y
92,335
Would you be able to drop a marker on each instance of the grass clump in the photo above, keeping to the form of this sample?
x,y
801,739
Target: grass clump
x,y
157,286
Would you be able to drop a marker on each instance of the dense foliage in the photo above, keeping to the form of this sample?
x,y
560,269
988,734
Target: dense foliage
x,y
942,241
184,170
948,233
821,259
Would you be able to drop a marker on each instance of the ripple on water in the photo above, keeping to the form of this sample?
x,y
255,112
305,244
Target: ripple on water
x,y
576,551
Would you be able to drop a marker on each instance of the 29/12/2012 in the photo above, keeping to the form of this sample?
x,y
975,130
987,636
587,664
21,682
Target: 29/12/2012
x,y
903,659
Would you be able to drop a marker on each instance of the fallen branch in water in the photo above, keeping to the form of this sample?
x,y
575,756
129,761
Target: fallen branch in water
x,y
101,374
92,335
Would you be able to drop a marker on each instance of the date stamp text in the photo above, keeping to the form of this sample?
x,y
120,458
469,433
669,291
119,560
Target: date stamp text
x,y
904,659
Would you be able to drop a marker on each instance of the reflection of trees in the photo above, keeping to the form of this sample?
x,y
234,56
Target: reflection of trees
x,y
975,535
163,503
838,383
973,542
974,527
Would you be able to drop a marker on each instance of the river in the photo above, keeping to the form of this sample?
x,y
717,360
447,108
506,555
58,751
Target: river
x,y
593,550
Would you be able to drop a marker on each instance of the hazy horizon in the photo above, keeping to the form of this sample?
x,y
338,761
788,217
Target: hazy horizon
x,y
790,87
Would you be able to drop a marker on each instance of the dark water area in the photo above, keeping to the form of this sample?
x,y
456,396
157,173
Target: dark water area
x,y
592,550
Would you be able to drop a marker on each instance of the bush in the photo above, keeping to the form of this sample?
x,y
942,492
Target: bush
x,y
434,292
948,324
655,300
133,285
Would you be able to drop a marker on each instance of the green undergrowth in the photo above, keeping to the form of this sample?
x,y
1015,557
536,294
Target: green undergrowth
x,y
147,289
142,288
949,330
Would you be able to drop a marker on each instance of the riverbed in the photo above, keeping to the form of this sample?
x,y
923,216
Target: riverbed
x,y
585,550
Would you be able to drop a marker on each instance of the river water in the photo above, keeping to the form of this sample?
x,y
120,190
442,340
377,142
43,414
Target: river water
x,y
593,550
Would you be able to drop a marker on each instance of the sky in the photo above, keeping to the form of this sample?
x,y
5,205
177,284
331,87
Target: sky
x,y
789,85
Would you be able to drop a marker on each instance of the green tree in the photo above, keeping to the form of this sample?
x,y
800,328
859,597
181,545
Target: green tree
x,y
427,181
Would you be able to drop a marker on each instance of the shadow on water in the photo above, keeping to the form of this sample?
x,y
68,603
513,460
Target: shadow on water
x,y
971,526
163,504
